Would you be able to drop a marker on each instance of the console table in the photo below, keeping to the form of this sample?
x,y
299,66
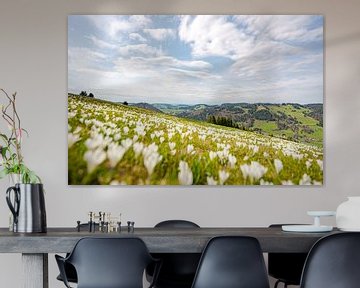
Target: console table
x,y
35,247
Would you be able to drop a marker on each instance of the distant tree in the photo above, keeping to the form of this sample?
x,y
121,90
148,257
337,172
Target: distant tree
x,y
83,93
223,121
91,95
264,114
126,103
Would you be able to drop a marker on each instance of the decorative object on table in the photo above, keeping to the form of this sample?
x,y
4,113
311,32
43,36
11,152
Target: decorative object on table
x,y
27,204
316,227
195,100
100,222
28,208
348,215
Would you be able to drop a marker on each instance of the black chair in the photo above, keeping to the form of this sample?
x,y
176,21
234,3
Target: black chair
x,y
108,263
178,269
69,269
333,262
232,262
286,267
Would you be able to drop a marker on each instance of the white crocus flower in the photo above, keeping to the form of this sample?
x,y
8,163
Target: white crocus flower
x,y
72,139
151,157
162,139
77,130
232,160
266,183
287,182
126,143
308,164
173,152
94,142
94,158
151,161
321,164
278,165
172,145
190,149
140,130
305,180
223,176
254,171
126,130
138,147
185,175
115,153
211,181
212,155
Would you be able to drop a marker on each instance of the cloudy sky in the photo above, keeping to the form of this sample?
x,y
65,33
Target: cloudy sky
x,y
197,59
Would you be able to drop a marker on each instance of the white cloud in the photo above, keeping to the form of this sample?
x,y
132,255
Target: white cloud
x,y
160,33
80,57
211,35
139,50
101,43
137,37
114,25
281,27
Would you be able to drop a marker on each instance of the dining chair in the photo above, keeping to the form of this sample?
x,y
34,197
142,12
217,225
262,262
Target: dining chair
x,y
108,263
333,262
178,269
232,262
70,271
286,267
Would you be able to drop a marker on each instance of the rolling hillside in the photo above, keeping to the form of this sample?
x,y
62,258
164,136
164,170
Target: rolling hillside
x,y
116,144
295,122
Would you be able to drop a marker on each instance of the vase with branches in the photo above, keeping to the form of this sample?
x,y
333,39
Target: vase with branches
x,y
11,158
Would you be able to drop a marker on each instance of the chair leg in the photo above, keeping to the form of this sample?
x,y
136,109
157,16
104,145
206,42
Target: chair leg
x,y
278,282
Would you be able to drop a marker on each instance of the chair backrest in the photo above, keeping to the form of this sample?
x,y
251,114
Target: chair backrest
x,y
232,262
176,224
333,262
286,266
110,262
177,268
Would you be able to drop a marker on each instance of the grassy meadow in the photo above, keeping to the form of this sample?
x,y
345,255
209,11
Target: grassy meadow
x,y
115,144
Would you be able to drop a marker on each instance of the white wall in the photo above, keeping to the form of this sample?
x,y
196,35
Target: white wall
x,y
33,62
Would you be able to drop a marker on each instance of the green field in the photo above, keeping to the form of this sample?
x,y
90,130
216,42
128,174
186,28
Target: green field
x,y
115,144
307,129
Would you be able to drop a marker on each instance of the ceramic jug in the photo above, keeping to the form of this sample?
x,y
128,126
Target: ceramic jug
x,y
28,208
348,215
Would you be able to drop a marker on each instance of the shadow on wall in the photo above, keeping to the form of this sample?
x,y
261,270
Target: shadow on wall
x,y
343,39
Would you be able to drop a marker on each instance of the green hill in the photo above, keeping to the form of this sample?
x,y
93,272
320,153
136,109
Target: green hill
x,y
295,122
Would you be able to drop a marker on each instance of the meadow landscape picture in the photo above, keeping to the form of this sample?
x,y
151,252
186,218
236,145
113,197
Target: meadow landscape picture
x,y
195,100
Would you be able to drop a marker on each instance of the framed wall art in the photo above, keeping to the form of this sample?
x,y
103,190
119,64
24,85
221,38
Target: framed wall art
x,y
195,99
